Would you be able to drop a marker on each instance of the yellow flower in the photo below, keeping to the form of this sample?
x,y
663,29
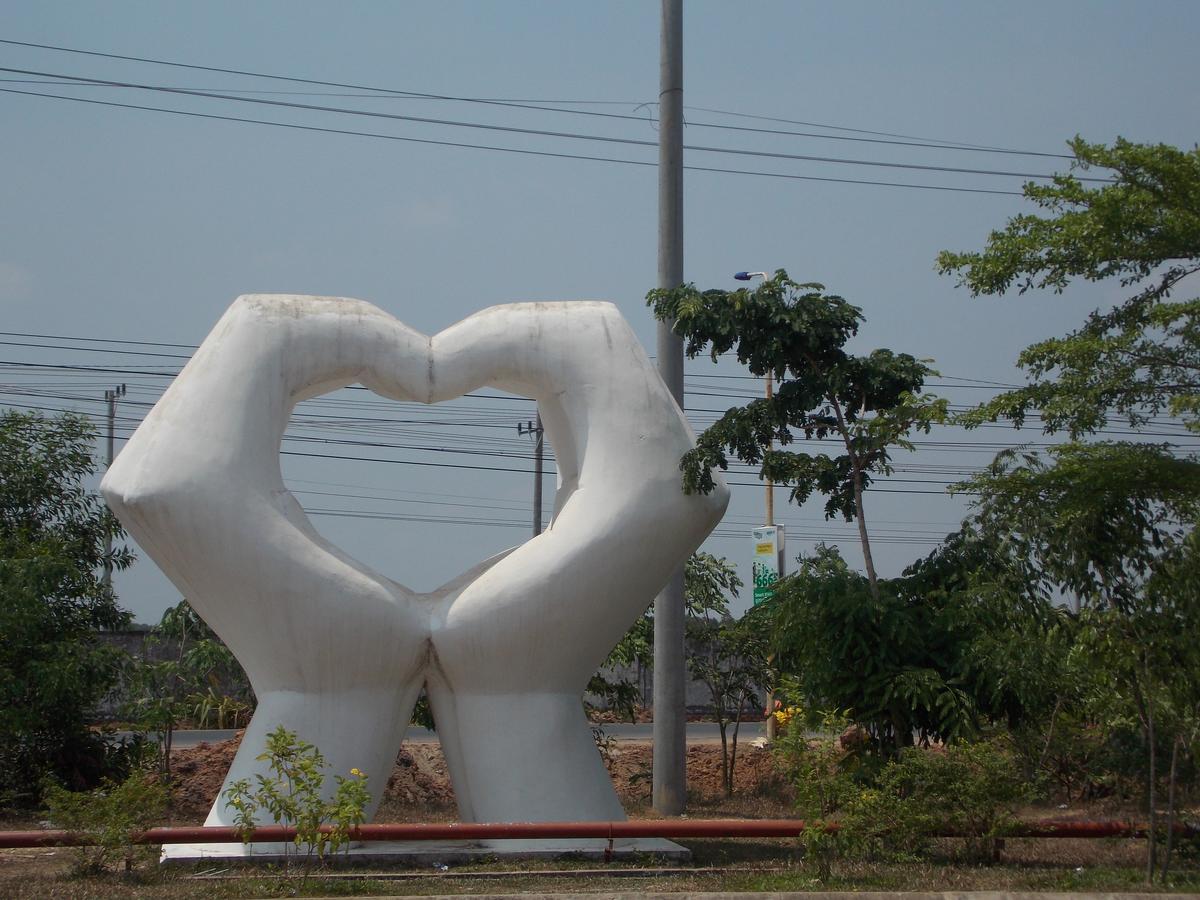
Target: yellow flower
x,y
357,773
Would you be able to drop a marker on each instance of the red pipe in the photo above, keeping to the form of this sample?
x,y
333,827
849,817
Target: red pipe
x,y
665,828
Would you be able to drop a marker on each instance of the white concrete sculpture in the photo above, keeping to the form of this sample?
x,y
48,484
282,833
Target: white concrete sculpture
x,y
337,652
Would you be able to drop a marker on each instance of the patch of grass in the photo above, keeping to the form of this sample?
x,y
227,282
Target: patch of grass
x,y
743,872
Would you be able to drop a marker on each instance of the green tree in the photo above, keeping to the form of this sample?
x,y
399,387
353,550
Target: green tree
x,y
730,658
707,580
201,675
1141,358
943,651
798,333
1111,523
295,795
52,602
1114,524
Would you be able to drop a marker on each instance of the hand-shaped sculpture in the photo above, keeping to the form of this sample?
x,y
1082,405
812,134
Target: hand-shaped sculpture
x,y
337,652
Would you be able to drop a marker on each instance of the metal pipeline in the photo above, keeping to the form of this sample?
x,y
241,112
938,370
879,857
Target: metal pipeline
x,y
468,831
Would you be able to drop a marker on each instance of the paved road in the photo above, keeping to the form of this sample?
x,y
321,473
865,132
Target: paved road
x,y
697,733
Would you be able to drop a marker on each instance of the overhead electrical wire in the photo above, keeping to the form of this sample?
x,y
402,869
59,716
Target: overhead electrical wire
x,y
537,132
731,394
388,426
65,81
879,136
71,81
349,426
511,150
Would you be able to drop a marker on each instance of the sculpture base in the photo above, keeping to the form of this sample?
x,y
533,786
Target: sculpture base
x,y
430,853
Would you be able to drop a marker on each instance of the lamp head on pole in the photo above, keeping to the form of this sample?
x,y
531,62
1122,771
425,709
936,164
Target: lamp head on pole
x,y
747,276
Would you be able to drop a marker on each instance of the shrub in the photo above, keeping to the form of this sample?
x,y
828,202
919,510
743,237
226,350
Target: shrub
x,y
295,796
112,815
892,814
972,789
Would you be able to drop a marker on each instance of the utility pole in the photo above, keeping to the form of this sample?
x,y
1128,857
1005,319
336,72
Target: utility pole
x,y
669,783
111,398
769,393
535,428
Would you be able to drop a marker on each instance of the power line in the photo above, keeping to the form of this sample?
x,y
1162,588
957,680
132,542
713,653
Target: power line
x,y
511,150
68,81
422,408
540,132
882,137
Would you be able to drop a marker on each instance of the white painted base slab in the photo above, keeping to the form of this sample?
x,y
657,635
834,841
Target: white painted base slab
x,y
430,853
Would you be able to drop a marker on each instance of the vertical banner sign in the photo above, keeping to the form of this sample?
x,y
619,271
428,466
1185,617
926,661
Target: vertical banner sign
x,y
768,560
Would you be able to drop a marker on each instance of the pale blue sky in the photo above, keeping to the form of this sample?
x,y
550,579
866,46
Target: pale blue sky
x,y
135,225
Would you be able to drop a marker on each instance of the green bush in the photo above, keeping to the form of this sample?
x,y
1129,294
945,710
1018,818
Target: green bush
x,y
821,772
53,600
294,796
971,790
112,815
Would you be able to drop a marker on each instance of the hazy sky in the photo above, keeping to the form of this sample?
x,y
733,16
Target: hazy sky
x,y
133,225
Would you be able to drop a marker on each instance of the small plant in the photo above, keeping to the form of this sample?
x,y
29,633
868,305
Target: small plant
x,y
212,709
112,815
822,772
978,786
606,744
294,795
893,813
784,715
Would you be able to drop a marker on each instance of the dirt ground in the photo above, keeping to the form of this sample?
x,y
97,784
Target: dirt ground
x,y
419,789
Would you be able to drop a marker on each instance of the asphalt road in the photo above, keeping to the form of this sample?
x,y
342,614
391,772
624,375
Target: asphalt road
x,y
697,733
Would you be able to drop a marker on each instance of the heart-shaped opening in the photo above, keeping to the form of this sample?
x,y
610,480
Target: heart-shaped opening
x,y
419,493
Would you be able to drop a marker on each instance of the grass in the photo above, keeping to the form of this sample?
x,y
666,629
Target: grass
x,y
773,865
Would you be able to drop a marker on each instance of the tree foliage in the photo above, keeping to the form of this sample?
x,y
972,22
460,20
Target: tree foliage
x,y
707,582
943,651
202,677
728,656
1141,358
1110,523
1094,520
797,333
52,601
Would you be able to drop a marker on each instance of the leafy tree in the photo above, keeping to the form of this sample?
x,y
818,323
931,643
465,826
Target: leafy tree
x,y
1111,523
708,584
729,656
52,601
798,333
940,654
1093,519
202,674
113,816
295,795
707,580
618,691
1139,359
1114,524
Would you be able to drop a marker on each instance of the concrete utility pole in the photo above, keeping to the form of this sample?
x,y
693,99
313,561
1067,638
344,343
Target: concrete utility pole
x,y
670,715
535,428
111,398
